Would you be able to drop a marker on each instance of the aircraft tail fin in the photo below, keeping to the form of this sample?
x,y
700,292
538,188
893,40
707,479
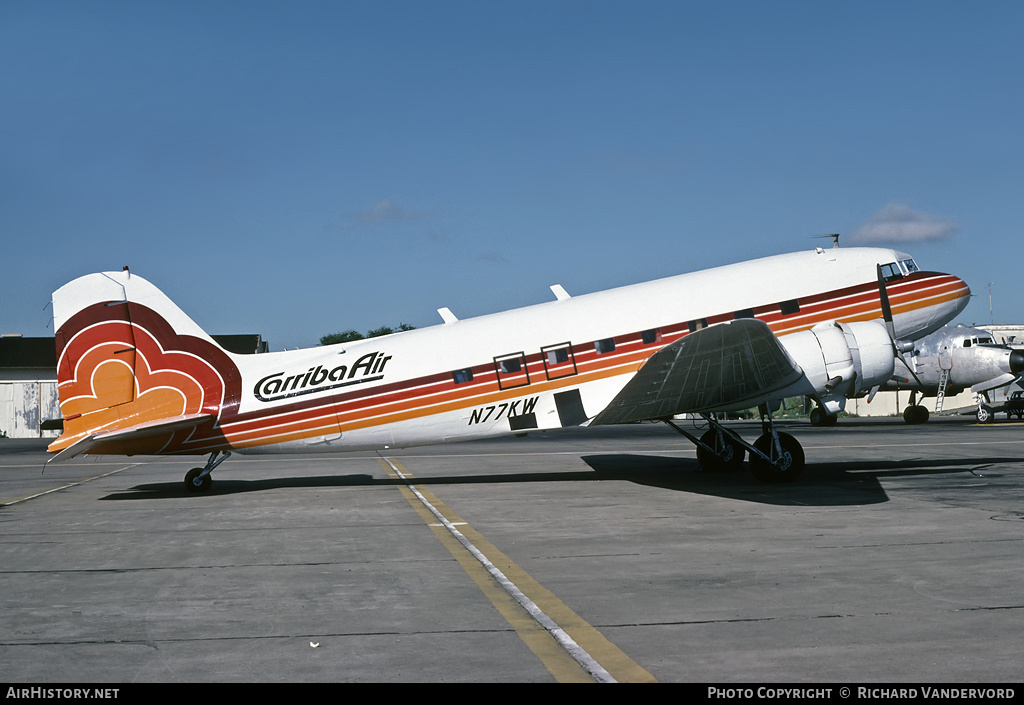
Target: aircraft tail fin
x,y
128,359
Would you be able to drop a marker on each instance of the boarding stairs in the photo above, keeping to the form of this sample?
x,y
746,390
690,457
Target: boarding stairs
x,y
940,395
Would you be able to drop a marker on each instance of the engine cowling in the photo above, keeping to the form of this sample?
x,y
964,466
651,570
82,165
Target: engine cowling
x,y
843,360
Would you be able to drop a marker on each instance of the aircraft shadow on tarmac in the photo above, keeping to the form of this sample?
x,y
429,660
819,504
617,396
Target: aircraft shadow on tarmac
x,y
822,484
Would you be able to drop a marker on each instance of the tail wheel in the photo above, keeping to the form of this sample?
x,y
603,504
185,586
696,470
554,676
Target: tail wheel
x,y
195,483
729,456
783,467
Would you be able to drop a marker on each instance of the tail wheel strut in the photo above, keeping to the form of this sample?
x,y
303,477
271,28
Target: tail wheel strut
x,y
199,479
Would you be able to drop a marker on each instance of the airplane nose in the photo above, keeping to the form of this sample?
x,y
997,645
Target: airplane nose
x,y
1016,361
959,294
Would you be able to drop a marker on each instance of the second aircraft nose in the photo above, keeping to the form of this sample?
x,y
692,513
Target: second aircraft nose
x,y
1016,361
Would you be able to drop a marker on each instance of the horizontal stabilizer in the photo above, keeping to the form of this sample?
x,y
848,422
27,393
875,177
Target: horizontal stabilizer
x,y
95,442
733,365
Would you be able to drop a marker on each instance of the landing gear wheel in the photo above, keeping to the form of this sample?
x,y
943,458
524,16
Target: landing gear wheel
x,y
729,457
194,484
916,414
820,417
784,468
985,414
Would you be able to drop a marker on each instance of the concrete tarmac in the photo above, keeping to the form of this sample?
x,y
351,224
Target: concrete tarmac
x,y
590,554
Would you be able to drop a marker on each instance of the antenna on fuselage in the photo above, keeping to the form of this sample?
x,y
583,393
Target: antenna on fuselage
x,y
835,239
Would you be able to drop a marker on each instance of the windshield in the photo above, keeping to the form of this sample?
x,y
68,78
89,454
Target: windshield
x,y
891,272
909,266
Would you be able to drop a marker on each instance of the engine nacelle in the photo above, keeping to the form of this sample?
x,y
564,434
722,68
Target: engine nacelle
x,y
843,360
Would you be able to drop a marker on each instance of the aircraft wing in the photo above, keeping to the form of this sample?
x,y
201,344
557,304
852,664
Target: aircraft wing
x,y
730,365
1000,381
110,441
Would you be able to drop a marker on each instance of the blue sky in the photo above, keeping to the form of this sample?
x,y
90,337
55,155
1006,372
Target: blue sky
x,y
299,168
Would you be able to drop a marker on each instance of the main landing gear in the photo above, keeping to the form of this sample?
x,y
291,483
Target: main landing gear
x,y
774,457
820,417
198,479
915,413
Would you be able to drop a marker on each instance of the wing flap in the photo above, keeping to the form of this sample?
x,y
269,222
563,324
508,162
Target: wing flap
x,y
109,440
731,365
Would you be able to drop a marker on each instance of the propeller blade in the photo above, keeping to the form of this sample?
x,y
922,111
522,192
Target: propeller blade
x,y
886,309
890,326
909,368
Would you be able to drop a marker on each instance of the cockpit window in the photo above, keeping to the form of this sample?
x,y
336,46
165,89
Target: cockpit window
x,y
909,266
891,272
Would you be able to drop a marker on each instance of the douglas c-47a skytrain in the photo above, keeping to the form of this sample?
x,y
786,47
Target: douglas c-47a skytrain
x,y
139,377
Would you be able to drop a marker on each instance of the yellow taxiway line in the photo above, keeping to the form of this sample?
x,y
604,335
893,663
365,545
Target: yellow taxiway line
x,y
572,650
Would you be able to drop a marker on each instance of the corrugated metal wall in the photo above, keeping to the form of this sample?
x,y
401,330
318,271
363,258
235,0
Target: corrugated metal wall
x,y
23,405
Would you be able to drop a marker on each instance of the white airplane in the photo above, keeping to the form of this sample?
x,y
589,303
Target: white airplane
x,y
136,376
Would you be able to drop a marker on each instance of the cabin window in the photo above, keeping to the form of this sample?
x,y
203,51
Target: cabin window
x,y
511,365
462,376
650,336
557,356
697,325
558,360
511,370
605,346
744,313
791,306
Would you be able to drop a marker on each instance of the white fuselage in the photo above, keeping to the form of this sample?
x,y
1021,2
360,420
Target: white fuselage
x,y
410,396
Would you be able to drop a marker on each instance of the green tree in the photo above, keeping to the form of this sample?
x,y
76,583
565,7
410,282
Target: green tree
x,y
344,337
350,335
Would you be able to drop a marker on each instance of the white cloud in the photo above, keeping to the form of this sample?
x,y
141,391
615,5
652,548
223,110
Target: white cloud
x,y
898,223
384,211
